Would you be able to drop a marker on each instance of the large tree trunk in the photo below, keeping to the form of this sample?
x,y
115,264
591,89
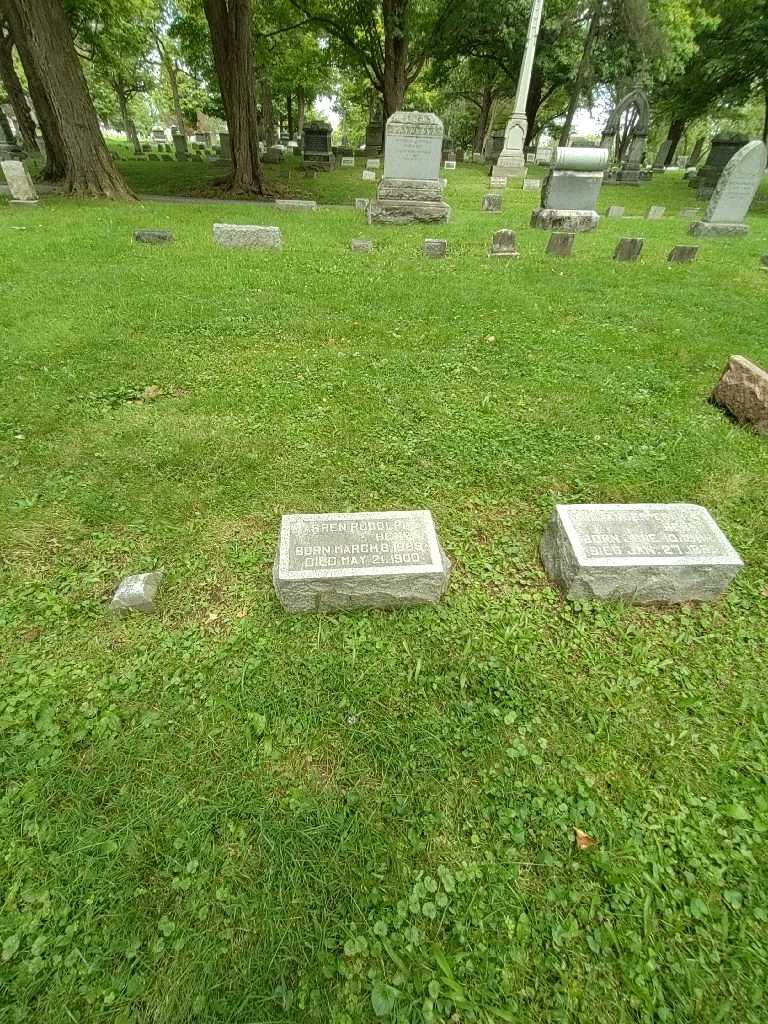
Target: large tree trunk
x,y
765,119
581,74
173,80
267,113
15,92
301,108
289,110
675,133
128,126
89,169
229,22
395,17
532,106
486,100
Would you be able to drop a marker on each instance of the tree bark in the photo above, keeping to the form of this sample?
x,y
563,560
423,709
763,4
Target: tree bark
x,y
89,169
674,135
229,23
301,107
535,93
267,113
15,92
128,126
581,74
173,80
289,107
481,127
54,146
395,18
765,119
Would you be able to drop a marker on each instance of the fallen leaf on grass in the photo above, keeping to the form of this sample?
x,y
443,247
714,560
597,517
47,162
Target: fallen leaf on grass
x,y
583,841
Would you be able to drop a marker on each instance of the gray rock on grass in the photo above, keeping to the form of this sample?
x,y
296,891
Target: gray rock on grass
x,y
137,593
743,392
152,236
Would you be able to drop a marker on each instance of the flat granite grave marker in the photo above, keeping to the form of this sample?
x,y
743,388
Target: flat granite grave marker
x,y
628,250
614,212
449,165
560,243
137,593
372,164
332,562
301,205
362,245
362,204
492,202
247,236
690,212
683,254
369,175
504,243
531,185
497,182
435,248
642,554
152,236
743,392
23,191
733,194
347,161
656,213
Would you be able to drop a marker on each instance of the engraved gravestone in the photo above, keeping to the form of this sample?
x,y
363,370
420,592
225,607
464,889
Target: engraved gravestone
x,y
316,148
369,176
656,213
492,202
733,194
570,191
347,161
23,192
643,554
331,562
628,250
410,190
560,243
504,244
683,254
247,236
614,212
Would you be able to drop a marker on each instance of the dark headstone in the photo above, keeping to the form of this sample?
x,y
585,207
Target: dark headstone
x,y
152,236
560,243
683,254
628,250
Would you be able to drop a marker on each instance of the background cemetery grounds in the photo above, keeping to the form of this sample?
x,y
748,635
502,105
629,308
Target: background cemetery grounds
x,y
229,814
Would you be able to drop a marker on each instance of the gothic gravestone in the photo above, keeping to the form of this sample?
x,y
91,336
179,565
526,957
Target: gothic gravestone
x,y
410,189
734,192
359,560
642,554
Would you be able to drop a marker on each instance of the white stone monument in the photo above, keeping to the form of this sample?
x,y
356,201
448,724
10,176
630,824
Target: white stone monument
x,y
511,160
571,190
734,192
332,562
642,554
23,191
410,189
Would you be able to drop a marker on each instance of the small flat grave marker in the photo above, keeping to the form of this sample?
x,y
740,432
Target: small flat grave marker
x,y
137,593
531,185
152,236
504,243
642,554
560,243
362,204
498,182
347,161
683,254
300,205
247,236
614,212
369,176
362,245
628,250
435,248
492,202
690,212
372,164
656,213
332,562
449,165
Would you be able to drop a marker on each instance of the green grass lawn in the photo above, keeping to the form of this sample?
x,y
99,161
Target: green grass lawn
x,y
228,815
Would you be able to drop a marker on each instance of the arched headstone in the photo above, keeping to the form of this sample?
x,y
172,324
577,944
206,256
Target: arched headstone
x,y
631,157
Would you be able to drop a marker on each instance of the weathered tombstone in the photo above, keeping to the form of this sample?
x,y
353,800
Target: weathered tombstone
x,y
247,236
137,594
498,182
724,147
435,248
628,250
614,212
152,236
531,185
492,202
369,176
9,148
374,133
504,243
23,191
373,163
743,392
203,138
225,146
494,144
734,192
560,243
661,156
328,563
300,205
690,212
683,254
571,189
530,158
347,161
656,213
545,150
449,165
316,148
362,204
635,105
698,146
642,554
410,189
477,158
362,245
273,155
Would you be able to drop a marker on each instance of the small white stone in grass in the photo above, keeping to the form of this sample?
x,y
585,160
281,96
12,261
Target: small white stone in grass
x,y
137,593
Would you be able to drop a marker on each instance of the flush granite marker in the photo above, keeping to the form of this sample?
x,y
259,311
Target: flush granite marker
x,y
642,554
152,236
302,205
332,562
247,236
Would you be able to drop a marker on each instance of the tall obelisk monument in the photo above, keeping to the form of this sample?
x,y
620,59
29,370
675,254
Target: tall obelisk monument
x,y
511,161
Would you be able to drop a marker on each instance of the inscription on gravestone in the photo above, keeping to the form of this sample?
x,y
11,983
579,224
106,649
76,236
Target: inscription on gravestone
x,y
639,553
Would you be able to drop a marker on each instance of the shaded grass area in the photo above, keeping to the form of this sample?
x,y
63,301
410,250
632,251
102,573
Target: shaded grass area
x,y
227,814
